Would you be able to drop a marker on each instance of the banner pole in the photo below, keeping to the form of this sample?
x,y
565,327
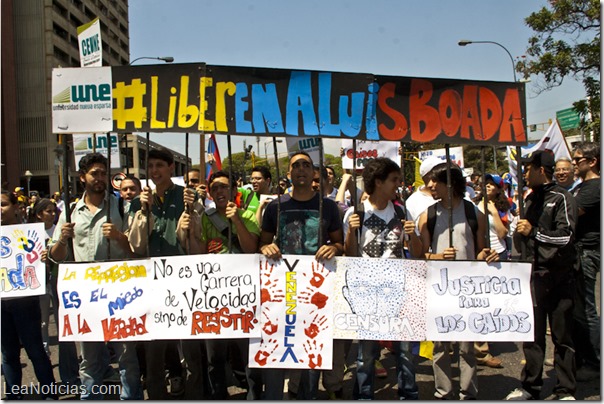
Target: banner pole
x,y
449,193
484,197
278,196
229,150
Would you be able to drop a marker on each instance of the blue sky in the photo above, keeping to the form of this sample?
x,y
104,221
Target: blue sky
x,y
388,37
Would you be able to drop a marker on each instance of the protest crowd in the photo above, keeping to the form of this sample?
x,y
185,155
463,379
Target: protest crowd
x,y
557,229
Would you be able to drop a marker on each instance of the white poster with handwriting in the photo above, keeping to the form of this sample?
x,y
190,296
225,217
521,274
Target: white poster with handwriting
x,y
475,301
297,308
105,301
182,297
380,299
22,272
368,150
206,296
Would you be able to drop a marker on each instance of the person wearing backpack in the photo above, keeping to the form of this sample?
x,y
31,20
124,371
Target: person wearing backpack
x,y
469,232
384,226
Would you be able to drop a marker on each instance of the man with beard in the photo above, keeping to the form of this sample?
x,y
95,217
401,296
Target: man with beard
x,y
92,236
297,226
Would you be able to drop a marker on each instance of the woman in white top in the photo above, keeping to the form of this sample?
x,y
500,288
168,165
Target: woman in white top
x,y
499,214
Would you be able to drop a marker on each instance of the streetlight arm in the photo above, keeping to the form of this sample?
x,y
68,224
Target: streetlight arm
x,y
465,42
167,59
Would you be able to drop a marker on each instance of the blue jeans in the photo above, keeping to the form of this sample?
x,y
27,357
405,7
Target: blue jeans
x,y
20,324
369,352
95,360
587,321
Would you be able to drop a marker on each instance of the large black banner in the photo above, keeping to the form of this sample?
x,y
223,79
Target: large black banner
x,y
280,102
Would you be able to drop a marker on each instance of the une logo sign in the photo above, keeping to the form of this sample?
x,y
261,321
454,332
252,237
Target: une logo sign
x,y
91,92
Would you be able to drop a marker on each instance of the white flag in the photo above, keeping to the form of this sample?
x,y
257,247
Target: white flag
x,y
552,140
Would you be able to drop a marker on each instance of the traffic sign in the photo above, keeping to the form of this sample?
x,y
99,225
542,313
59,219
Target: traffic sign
x,y
568,118
116,180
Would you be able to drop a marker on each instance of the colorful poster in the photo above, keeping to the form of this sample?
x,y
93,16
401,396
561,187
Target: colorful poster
x,y
22,272
297,308
292,309
368,150
264,102
380,299
475,301
82,100
182,297
105,301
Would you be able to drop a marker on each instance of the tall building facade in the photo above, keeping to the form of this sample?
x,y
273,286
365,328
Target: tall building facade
x,y
37,36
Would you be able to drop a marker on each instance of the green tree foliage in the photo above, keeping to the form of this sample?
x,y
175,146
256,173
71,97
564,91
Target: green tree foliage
x,y
567,44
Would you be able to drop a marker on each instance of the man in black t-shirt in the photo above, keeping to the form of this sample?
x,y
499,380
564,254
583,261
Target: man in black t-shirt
x,y
293,225
586,164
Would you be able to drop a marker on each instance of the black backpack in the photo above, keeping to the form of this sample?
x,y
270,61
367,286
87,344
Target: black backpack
x,y
470,210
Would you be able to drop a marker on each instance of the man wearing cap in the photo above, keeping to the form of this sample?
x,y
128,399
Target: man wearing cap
x,y
547,232
422,198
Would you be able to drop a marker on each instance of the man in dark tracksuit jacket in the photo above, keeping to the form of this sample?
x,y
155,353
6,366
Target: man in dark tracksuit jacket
x,y
547,232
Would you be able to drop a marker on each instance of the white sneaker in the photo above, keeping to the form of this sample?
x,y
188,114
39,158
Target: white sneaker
x,y
567,398
520,395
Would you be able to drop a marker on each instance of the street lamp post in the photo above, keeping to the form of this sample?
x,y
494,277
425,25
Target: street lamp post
x,y
267,142
465,42
28,176
167,59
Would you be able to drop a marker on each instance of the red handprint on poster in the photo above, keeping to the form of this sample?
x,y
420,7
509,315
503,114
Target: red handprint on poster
x,y
270,291
313,297
268,327
318,274
265,351
313,350
316,326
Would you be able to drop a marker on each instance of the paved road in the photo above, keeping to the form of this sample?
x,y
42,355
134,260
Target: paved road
x,y
493,384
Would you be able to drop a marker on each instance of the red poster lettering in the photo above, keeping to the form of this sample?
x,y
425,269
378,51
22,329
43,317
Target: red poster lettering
x,y
470,119
490,112
424,119
400,128
449,107
512,118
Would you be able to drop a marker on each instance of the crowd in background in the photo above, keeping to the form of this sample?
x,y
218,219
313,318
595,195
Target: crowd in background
x,y
201,211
